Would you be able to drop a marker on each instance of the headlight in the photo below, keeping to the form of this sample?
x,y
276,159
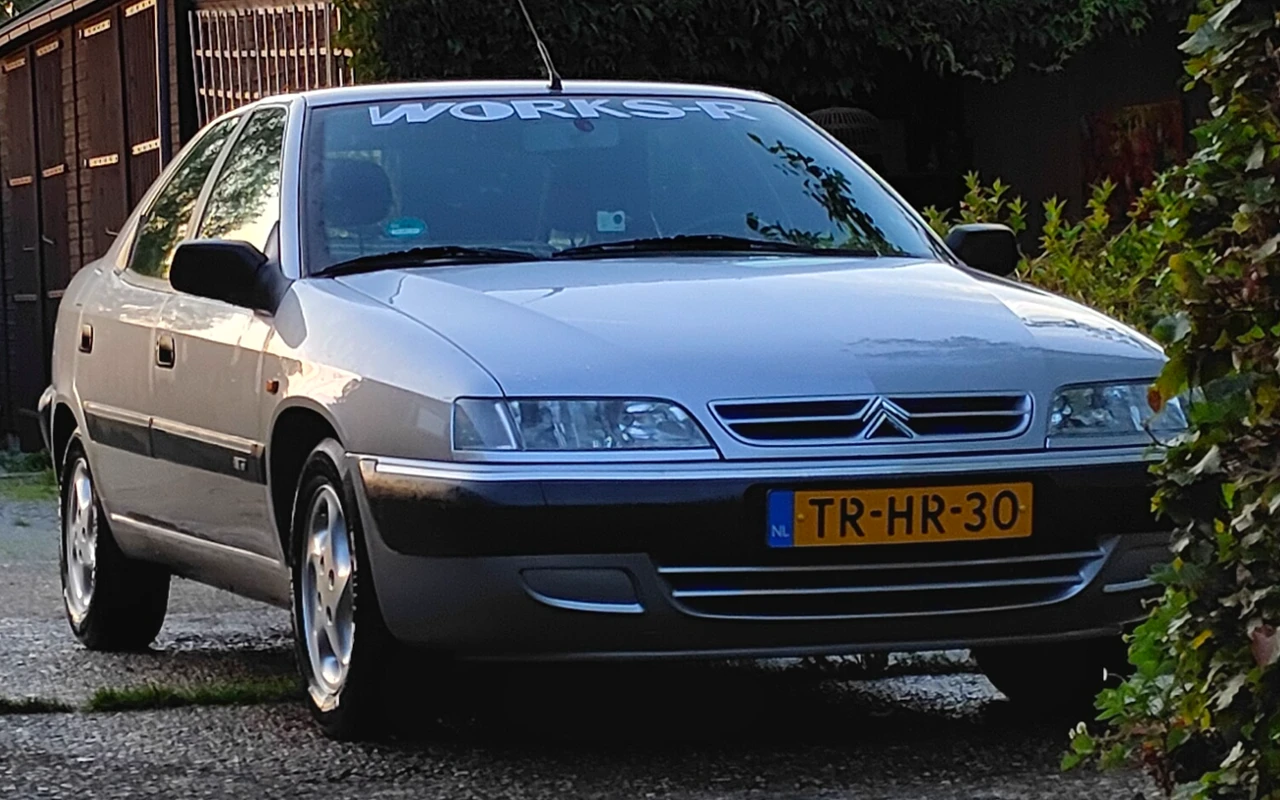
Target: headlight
x,y
1112,409
573,425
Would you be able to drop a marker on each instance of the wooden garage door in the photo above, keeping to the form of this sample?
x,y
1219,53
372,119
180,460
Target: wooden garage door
x,y
103,135
22,251
142,119
55,236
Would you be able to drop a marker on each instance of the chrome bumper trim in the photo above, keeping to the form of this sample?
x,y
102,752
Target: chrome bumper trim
x,y
1128,586
770,470
1079,555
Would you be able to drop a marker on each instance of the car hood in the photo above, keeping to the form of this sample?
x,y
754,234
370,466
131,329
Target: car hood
x,y
697,328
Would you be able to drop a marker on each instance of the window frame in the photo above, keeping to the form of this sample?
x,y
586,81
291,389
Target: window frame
x,y
125,262
200,213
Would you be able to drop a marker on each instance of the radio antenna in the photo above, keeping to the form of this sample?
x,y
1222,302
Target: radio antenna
x,y
553,77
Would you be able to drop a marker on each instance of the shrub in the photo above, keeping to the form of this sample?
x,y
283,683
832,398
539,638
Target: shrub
x,y
813,51
1202,712
1121,272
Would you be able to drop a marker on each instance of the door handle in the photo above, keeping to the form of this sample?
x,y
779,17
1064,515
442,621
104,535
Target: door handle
x,y
164,351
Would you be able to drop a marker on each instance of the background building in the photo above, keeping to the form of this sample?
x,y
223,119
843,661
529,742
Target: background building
x,y
96,98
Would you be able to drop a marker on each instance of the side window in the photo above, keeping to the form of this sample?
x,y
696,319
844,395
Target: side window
x,y
245,202
165,223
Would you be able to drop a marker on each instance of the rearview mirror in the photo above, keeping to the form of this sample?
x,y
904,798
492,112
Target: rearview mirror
x,y
985,246
231,271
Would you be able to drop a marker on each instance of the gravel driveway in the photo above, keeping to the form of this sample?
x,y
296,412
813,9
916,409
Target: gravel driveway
x,y
931,729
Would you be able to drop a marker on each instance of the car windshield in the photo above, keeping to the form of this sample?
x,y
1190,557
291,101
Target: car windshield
x,y
547,175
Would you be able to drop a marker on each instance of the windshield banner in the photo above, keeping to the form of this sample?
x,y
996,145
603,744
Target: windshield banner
x,y
573,108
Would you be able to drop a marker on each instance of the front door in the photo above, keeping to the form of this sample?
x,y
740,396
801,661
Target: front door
x,y
115,367
206,421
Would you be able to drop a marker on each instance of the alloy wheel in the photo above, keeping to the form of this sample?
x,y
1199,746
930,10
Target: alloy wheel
x,y
327,596
80,542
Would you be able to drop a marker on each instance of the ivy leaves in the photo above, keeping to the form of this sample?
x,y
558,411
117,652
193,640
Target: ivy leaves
x,y
1197,264
1202,712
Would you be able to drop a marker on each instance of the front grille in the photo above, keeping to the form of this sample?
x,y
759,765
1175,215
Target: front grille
x,y
875,419
818,590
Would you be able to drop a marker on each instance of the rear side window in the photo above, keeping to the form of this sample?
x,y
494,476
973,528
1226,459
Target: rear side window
x,y
165,223
245,202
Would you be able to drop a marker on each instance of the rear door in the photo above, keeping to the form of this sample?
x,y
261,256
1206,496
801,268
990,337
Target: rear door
x,y
207,424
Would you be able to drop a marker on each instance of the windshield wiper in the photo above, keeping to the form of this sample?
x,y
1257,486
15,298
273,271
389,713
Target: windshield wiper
x,y
424,256
703,242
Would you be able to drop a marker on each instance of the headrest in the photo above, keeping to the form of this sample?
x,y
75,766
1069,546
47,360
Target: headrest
x,y
356,192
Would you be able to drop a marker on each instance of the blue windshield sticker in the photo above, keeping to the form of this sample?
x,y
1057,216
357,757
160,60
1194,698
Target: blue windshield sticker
x,y
574,109
406,227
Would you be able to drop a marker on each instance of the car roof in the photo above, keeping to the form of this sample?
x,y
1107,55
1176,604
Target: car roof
x,y
391,92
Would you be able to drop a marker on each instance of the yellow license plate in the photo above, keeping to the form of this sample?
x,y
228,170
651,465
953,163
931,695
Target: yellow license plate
x,y
899,516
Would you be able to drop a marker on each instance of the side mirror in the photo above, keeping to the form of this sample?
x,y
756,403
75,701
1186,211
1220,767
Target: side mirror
x,y
231,271
990,248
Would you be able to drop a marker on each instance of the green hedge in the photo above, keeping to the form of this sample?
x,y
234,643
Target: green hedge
x,y
806,51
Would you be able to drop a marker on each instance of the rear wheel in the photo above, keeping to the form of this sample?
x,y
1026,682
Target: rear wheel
x,y
343,649
1061,676
112,602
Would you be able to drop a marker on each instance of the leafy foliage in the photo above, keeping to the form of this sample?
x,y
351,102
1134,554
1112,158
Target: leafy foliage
x,y
803,50
1202,712
32,705
1116,266
12,8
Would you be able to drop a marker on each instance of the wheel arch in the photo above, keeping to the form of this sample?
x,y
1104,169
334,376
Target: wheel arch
x,y
61,427
295,431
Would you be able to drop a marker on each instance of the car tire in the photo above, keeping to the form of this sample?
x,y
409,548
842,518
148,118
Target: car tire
x,y
1057,677
112,602
344,652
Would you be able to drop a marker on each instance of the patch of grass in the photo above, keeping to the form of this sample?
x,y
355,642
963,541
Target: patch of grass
x,y
231,693
17,461
33,705
44,487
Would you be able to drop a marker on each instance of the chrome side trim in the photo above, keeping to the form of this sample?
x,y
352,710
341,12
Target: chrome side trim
x,y
223,440
186,539
777,469
116,414
1128,586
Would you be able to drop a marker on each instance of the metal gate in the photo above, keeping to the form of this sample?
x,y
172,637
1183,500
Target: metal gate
x,y
244,54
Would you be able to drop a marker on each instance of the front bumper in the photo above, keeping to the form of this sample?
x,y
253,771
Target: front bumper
x,y
669,560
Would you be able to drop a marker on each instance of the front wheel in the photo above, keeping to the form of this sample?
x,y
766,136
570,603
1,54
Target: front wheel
x,y
343,649
112,602
1060,676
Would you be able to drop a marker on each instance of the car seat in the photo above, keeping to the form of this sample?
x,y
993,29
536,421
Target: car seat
x,y
357,198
